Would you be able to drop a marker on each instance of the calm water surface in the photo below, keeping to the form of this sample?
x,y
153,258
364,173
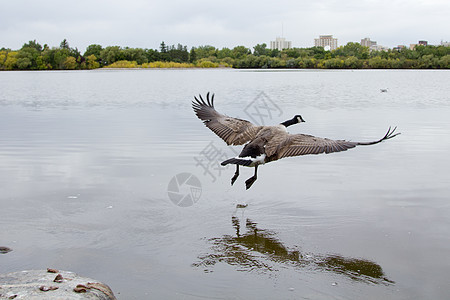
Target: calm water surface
x,y
86,159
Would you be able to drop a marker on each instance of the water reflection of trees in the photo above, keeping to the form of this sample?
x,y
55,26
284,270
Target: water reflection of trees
x,y
259,250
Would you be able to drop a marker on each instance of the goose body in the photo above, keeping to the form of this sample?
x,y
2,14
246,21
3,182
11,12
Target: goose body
x,y
264,144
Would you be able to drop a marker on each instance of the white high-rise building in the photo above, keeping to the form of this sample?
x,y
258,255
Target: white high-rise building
x,y
280,43
326,41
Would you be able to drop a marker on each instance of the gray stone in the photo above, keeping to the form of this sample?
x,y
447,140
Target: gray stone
x,y
4,250
51,284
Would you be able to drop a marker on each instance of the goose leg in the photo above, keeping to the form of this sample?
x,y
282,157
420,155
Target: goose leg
x,y
251,180
236,175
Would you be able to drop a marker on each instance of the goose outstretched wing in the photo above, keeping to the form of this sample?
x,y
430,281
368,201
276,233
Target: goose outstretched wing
x,y
233,131
302,144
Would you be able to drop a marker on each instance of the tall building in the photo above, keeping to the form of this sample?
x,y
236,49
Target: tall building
x,y
280,43
326,41
366,42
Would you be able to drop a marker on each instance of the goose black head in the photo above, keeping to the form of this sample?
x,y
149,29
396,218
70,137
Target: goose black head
x,y
299,118
296,119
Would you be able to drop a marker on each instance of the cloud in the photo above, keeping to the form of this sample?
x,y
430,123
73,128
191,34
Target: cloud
x,y
139,23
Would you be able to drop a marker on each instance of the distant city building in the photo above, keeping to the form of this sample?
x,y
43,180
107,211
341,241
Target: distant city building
x,y
421,43
326,41
379,48
446,44
366,42
280,43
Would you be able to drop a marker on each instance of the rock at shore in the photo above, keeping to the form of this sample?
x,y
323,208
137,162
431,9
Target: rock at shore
x,y
52,284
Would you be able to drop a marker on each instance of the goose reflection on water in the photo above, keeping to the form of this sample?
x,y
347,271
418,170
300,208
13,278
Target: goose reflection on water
x,y
259,250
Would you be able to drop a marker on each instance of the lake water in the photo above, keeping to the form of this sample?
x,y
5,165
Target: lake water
x,y
93,167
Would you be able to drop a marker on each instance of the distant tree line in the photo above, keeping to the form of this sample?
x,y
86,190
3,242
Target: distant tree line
x,y
33,56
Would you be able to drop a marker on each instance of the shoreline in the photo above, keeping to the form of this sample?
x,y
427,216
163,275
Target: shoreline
x,y
241,69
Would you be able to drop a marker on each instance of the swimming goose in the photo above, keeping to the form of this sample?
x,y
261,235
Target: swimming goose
x,y
264,144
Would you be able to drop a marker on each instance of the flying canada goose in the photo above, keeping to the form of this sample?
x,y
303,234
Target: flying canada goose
x,y
267,143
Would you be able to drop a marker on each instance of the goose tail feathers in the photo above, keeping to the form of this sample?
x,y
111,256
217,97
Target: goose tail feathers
x,y
238,161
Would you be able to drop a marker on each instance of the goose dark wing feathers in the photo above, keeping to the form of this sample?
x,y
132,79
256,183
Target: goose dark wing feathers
x,y
233,131
302,144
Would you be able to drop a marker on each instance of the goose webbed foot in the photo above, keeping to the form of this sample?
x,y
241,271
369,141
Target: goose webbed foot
x,y
251,180
236,175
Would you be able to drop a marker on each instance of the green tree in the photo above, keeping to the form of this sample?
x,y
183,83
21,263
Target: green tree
x,y
3,55
135,54
274,53
223,53
444,62
178,54
429,61
353,63
75,53
152,55
334,63
48,58
352,49
26,58
409,54
59,58
70,63
293,52
306,62
441,51
163,52
205,51
318,52
261,49
240,51
23,63
379,63
112,54
192,55
64,44
41,65
34,45
163,47
11,60
93,49
291,63
91,62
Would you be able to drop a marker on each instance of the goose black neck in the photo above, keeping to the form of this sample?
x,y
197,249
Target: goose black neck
x,y
290,122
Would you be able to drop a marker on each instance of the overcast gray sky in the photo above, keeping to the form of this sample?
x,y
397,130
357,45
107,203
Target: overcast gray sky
x,y
144,24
